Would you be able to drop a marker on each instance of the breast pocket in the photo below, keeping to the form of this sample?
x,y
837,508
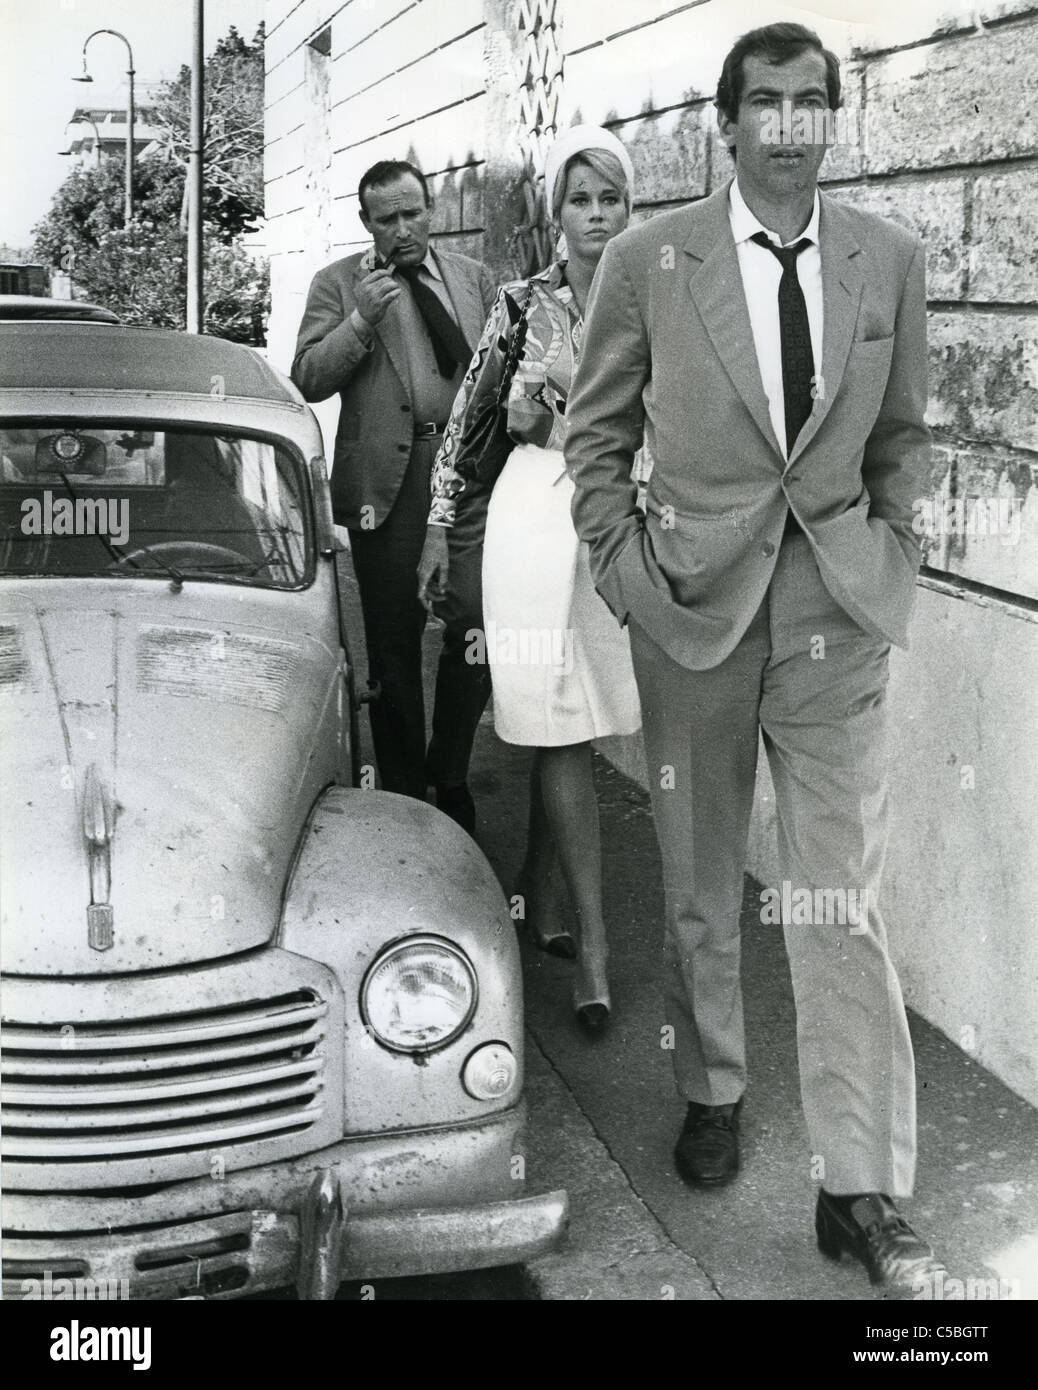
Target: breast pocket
x,y
865,378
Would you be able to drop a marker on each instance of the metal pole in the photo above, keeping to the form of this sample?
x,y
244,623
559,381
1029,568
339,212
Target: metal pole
x,y
129,147
195,286
97,140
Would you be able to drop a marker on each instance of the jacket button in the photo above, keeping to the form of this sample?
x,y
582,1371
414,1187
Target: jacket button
x,y
404,448
767,549
406,409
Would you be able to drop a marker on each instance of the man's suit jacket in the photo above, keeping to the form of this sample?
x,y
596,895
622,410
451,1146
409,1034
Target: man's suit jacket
x,y
376,423
668,345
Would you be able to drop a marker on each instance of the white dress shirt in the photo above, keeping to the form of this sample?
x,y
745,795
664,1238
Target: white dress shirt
x,y
761,273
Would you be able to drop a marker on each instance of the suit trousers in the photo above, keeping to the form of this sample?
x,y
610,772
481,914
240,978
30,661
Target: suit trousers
x,y
385,561
814,683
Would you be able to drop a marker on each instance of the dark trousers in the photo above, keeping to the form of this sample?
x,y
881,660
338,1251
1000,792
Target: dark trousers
x,y
385,561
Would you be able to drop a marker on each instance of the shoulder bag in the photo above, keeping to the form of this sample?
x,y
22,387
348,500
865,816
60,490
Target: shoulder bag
x,y
484,443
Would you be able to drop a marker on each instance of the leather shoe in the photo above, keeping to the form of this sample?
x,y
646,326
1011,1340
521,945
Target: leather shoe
x,y
707,1151
871,1229
457,803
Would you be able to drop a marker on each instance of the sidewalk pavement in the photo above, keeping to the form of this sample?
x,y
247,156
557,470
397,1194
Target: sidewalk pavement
x,y
605,1114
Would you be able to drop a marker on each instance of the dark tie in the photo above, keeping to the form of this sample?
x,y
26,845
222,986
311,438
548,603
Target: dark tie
x,y
449,345
798,363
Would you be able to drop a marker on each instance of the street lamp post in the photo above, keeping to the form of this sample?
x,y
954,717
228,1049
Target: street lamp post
x,y
85,120
85,77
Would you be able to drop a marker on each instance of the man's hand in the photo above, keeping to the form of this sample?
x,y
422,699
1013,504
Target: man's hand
x,y
433,567
375,293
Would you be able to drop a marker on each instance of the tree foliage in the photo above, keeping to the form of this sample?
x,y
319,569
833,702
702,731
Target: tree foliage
x,y
141,272
232,126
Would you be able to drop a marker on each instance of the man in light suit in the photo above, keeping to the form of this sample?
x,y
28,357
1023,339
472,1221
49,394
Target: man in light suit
x,y
781,397
392,330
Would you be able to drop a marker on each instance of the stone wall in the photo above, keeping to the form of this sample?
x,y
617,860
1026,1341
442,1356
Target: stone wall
x,y
944,139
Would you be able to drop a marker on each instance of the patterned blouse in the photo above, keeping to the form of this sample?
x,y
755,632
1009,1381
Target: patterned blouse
x,y
537,397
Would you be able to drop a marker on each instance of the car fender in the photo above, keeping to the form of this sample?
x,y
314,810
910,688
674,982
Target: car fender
x,y
373,868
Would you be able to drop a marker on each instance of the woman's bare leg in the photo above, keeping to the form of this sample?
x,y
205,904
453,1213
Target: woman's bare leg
x,y
538,878
568,793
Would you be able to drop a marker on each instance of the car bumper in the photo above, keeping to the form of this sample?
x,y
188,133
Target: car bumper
x,y
359,1209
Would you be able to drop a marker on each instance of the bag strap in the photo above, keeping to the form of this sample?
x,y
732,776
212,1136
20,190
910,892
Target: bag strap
x,y
515,349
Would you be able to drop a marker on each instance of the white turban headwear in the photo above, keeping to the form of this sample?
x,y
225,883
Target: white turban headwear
x,y
574,141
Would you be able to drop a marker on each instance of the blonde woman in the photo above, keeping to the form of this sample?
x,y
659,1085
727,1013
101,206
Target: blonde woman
x,y
560,664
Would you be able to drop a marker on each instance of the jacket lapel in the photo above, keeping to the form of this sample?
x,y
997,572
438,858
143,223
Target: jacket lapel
x,y
716,286
841,297
465,296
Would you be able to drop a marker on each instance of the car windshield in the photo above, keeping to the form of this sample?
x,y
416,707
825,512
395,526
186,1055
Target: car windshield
x,y
78,498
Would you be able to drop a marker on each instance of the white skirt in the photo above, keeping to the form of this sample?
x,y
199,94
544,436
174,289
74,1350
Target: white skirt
x,y
561,664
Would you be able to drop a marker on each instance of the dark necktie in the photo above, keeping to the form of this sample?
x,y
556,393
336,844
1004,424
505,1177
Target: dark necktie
x,y
449,345
798,363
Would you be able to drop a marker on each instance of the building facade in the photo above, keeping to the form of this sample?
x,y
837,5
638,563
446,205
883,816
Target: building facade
x,y
96,132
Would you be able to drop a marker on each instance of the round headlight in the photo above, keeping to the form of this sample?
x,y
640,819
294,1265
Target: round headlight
x,y
418,995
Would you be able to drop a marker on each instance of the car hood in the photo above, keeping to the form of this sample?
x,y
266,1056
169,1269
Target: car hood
x,y
156,773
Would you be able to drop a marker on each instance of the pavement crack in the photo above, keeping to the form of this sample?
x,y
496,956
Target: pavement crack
x,y
665,1245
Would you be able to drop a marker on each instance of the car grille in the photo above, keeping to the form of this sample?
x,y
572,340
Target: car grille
x,y
172,1083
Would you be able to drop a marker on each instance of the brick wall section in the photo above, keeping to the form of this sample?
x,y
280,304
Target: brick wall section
x,y
952,127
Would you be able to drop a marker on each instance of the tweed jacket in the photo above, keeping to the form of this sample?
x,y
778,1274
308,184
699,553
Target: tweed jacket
x,y
375,431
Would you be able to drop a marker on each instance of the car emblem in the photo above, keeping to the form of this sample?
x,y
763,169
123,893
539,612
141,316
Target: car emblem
x,y
101,926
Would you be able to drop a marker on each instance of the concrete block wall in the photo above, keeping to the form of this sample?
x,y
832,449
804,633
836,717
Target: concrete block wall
x,y
945,96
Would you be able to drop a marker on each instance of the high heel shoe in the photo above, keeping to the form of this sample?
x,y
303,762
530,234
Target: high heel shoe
x,y
593,1014
593,1018
560,944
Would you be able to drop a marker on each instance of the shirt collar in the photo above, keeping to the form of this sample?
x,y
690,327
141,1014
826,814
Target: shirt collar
x,y
430,266
745,224
553,275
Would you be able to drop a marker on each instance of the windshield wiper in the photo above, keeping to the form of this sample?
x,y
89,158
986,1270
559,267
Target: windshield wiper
x,y
119,555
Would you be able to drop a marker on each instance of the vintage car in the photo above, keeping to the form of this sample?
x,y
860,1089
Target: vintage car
x,y
261,1027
